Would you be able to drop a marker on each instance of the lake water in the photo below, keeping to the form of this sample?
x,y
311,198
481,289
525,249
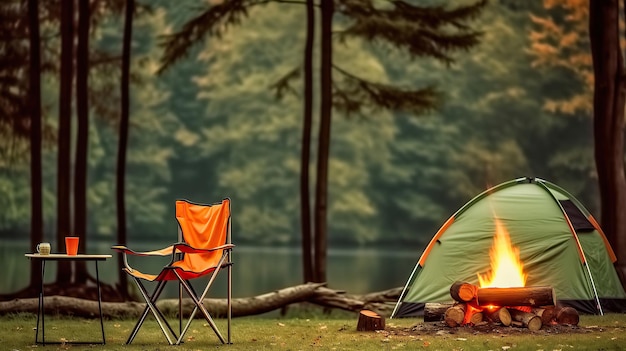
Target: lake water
x,y
256,270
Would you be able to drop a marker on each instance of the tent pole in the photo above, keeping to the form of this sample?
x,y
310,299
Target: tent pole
x,y
395,309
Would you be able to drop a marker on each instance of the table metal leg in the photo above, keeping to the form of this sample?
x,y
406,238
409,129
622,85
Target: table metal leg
x,y
100,303
40,307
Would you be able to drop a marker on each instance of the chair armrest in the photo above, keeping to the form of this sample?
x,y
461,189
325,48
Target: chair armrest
x,y
161,252
186,248
168,251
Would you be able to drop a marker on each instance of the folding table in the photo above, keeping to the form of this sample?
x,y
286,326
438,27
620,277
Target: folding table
x,y
40,309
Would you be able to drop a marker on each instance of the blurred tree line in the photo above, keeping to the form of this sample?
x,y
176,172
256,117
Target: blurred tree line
x,y
211,127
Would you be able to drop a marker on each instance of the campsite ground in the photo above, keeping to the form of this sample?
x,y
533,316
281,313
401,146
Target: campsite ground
x,y
319,333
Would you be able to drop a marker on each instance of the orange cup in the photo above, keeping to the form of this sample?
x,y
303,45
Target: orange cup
x,y
71,245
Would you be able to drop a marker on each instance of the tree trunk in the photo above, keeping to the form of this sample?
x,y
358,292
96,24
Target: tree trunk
x,y
321,190
608,106
123,142
64,133
305,153
36,197
82,136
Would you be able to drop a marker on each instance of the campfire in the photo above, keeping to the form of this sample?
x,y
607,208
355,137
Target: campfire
x,y
502,295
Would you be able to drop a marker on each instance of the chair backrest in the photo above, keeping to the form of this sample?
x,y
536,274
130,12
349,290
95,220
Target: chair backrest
x,y
204,227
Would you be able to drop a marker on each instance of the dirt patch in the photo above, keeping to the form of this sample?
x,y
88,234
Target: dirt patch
x,y
440,328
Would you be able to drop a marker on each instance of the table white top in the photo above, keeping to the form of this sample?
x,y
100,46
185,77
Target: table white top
x,y
55,256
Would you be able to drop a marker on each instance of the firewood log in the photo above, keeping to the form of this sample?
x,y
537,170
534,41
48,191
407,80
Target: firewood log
x,y
454,315
523,296
463,292
500,315
567,315
529,320
476,318
370,321
547,314
434,312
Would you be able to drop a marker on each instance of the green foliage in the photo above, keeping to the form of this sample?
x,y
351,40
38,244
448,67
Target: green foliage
x,y
211,126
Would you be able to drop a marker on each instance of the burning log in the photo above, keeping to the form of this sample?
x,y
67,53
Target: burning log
x,y
524,296
500,315
476,318
463,313
370,321
528,319
567,315
463,292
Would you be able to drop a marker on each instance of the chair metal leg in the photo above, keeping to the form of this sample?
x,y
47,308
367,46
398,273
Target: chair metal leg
x,y
198,305
150,306
229,312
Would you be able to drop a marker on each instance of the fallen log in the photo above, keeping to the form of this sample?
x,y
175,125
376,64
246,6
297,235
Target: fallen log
x,y
317,293
380,302
535,296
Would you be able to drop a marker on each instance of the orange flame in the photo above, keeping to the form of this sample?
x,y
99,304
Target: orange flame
x,y
507,270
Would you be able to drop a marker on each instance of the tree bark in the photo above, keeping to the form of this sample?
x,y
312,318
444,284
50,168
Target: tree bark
x,y
608,122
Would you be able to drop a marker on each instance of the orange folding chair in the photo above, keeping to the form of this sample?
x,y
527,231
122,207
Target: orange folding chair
x,y
204,247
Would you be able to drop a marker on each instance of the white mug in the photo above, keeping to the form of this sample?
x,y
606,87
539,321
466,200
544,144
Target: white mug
x,y
43,248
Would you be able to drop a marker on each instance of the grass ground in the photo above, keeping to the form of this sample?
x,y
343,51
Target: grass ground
x,y
334,332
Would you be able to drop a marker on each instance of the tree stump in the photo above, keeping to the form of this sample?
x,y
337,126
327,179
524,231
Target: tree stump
x,y
370,321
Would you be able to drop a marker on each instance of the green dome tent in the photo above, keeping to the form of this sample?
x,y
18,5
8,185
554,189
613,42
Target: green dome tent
x,y
560,245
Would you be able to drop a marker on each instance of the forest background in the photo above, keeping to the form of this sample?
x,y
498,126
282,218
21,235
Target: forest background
x,y
213,125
